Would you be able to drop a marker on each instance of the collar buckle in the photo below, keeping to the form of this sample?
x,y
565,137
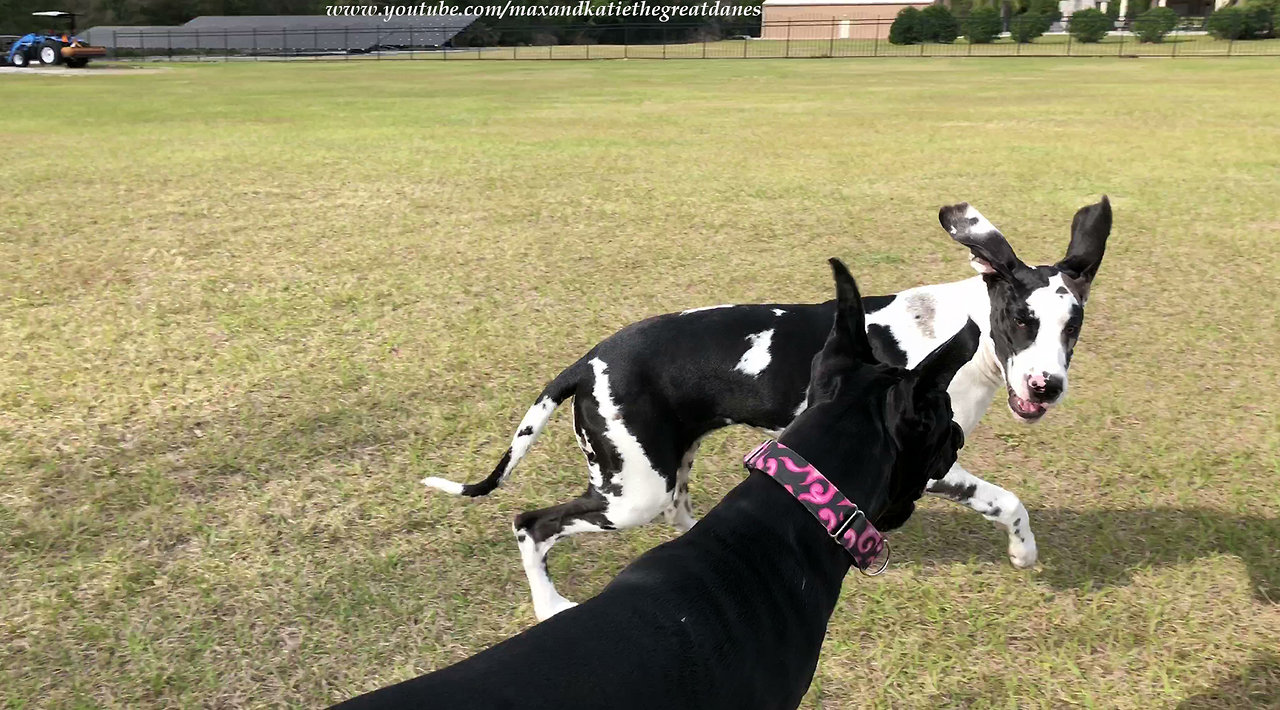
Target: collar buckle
x,y
847,523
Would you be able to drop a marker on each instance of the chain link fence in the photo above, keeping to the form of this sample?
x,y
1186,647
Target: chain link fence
x,y
812,38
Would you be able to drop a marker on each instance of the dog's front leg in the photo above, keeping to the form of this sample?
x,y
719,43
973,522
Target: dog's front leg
x,y
995,504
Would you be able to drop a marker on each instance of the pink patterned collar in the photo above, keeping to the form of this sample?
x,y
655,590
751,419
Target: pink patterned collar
x,y
845,523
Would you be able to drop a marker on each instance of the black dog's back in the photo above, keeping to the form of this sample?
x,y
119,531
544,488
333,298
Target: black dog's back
x,y
710,620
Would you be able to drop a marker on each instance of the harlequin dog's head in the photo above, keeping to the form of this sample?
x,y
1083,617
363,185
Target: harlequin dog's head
x,y
1036,311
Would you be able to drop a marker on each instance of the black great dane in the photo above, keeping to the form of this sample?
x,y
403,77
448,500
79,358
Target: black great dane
x,y
732,614
645,396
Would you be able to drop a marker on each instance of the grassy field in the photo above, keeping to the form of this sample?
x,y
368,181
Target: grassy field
x,y
247,307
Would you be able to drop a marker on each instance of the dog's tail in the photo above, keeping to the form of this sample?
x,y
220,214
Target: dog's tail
x,y
553,395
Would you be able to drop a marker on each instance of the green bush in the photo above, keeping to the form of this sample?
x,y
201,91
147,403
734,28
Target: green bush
x,y
1154,24
982,25
1113,10
1261,16
1027,26
907,27
1137,7
1275,14
939,25
1089,25
1047,8
1229,23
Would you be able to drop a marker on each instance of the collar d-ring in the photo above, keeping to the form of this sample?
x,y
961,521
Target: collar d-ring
x,y
883,565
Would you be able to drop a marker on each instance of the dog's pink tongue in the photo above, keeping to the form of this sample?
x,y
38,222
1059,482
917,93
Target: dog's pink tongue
x,y
1026,406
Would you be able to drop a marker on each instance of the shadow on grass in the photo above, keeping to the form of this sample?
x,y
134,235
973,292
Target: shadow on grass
x,y
1257,686
1093,548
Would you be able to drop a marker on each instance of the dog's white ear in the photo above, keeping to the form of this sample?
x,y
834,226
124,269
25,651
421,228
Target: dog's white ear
x,y
990,252
1089,231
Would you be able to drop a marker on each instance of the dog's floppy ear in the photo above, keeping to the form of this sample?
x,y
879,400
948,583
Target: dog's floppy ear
x,y
990,251
849,332
938,367
1089,231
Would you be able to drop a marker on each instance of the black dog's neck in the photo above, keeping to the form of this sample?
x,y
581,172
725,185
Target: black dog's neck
x,y
777,513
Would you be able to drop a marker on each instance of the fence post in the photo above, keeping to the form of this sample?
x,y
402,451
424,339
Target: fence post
x,y
284,39
704,46
664,41
831,39
169,33
875,39
377,42
744,42
115,46
255,44
788,45
1068,44
1174,52
1120,52
142,45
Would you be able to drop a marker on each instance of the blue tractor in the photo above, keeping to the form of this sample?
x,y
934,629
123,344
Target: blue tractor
x,y
53,48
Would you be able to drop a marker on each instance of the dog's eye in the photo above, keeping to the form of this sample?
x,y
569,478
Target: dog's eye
x,y
1071,330
1021,323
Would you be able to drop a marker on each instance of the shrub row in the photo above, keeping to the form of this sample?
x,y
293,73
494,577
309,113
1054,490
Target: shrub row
x,y
983,25
932,24
1253,19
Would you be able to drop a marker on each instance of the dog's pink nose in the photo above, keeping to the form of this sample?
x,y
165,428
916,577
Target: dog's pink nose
x,y
1036,382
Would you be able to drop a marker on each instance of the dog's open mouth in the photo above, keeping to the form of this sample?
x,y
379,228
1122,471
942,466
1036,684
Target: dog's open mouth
x,y
1025,408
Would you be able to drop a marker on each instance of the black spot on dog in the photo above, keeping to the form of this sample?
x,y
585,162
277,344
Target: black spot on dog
x,y
525,431
871,304
955,491
885,346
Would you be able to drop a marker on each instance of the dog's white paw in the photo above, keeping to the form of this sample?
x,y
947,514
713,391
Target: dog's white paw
x,y
1023,553
546,611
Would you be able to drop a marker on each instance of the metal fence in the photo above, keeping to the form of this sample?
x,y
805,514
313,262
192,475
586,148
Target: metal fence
x,y
791,39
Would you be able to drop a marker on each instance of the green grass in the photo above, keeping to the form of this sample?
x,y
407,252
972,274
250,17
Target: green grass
x,y
246,307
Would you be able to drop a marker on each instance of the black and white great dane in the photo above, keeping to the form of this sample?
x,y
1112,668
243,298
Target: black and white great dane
x,y
645,396
732,615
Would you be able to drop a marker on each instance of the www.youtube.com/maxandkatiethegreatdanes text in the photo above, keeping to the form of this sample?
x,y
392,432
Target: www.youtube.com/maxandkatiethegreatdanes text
x,y
583,8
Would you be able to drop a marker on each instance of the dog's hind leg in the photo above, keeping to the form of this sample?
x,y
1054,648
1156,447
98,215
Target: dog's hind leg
x,y
680,513
536,531
632,482
995,504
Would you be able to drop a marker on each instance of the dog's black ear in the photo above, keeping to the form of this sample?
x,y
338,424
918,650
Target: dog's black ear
x,y
938,367
1089,231
849,332
990,251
